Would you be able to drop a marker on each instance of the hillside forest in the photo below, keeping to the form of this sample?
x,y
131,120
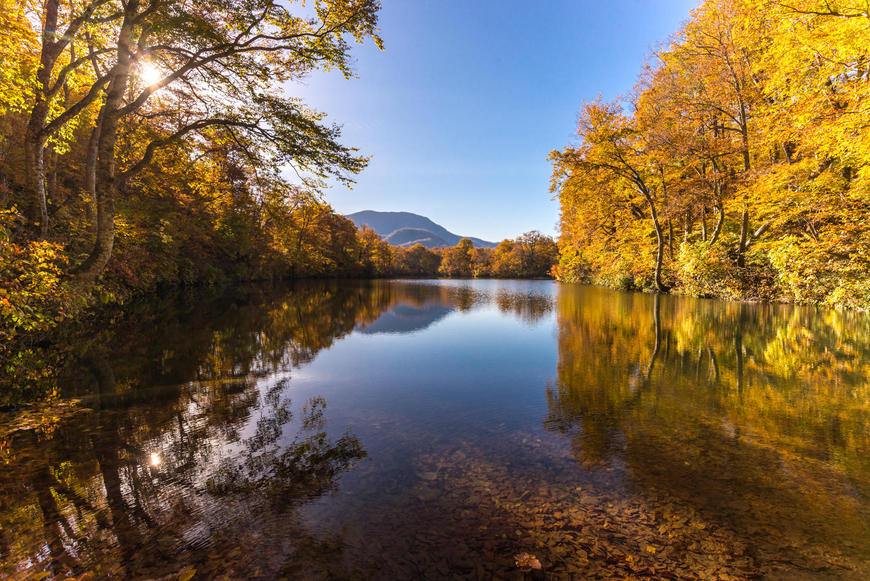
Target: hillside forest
x,y
738,167
153,143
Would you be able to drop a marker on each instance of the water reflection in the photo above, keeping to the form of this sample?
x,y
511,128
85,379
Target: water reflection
x,y
435,429
179,449
753,418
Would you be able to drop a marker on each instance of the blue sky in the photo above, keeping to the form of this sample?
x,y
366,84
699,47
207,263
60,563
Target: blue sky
x,y
462,107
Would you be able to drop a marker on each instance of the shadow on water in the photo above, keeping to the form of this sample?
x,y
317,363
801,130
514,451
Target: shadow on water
x,y
675,438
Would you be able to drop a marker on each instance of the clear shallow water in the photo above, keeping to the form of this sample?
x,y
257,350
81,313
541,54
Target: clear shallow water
x,y
436,429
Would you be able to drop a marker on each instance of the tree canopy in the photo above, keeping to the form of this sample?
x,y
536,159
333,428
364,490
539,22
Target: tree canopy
x,y
738,167
154,142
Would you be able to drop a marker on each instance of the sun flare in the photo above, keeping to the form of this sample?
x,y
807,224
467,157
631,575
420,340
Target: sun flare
x,y
149,74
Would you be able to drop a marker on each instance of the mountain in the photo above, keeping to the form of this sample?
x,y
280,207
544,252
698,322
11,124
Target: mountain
x,y
403,319
411,236
407,229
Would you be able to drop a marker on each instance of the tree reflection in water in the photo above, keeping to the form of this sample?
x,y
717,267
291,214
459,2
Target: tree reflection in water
x,y
159,472
680,438
183,450
753,415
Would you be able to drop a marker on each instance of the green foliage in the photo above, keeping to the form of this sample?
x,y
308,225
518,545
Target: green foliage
x,y
812,275
572,266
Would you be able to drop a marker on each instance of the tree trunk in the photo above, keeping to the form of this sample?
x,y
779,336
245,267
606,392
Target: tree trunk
x,y
671,237
660,242
718,229
687,226
744,221
52,178
34,161
744,135
106,186
91,167
105,232
4,191
34,139
703,224
744,238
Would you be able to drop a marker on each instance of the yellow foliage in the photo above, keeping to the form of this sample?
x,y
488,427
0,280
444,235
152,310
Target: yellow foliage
x,y
757,118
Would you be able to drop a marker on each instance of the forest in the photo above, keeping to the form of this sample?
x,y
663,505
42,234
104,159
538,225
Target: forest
x,y
154,143
738,167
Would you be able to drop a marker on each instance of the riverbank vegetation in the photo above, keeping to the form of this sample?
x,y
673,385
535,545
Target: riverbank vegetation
x,y
154,143
738,168
149,143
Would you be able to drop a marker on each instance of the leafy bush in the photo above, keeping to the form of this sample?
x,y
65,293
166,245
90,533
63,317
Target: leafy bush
x,y
810,273
32,294
707,271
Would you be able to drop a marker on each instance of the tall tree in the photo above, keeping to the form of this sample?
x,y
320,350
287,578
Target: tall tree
x,y
222,65
59,63
458,260
713,58
615,153
757,113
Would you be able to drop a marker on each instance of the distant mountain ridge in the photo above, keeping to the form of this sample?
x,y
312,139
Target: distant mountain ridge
x,y
411,236
407,229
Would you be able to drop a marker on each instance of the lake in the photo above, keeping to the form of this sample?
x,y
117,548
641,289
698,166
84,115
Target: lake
x,y
441,429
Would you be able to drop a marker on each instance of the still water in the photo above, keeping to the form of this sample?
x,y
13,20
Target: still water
x,y
439,429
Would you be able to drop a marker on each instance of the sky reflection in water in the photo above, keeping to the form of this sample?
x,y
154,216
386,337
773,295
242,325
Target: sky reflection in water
x,y
431,429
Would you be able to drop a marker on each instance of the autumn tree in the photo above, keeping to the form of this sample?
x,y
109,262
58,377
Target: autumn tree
x,y
458,260
145,75
61,70
744,142
163,136
816,70
221,65
505,259
538,254
531,255
481,262
416,261
374,255
615,156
